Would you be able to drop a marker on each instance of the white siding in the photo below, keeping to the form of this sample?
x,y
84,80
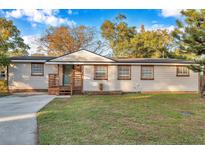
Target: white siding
x,y
165,79
81,55
20,76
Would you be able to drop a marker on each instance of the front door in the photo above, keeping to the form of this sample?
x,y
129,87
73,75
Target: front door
x,y
67,70
77,79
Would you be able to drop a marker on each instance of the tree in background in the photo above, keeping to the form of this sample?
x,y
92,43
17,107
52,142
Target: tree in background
x,y
125,41
62,40
151,44
38,54
11,43
190,38
119,35
176,53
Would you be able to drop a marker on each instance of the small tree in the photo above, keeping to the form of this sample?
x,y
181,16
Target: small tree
x,y
4,61
118,34
126,41
11,43
190,38
61,40
151,44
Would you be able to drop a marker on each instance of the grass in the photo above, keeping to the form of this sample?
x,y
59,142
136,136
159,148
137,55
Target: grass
x,y
126,119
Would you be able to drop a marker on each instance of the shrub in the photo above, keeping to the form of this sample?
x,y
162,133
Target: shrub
x,y
3,87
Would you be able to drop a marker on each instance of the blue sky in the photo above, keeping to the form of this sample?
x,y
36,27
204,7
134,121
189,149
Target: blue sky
x,y
32,23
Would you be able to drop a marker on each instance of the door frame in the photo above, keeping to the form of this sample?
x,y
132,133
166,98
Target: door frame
x,y
64,73
82,73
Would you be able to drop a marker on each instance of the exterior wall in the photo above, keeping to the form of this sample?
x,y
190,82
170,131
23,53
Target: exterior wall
x,y
81,55
165,79
20,77
60,74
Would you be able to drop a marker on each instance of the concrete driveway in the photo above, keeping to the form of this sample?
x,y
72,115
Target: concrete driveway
x,y
18,124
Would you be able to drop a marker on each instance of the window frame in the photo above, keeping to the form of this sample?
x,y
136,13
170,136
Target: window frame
x,y
33,74
182,75
2,77
152,70
124,78
103,78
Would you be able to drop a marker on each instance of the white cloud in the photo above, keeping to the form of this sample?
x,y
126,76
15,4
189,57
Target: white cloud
x,y
31,40
15,14
48,17
34,25
171,12
70,11
159,26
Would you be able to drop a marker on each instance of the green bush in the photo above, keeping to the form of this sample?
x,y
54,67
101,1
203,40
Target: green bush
x,y
3,87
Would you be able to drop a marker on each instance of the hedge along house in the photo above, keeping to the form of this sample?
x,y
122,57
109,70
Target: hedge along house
x,y
86,72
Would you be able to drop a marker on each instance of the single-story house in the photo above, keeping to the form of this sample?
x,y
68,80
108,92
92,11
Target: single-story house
x,y
87,72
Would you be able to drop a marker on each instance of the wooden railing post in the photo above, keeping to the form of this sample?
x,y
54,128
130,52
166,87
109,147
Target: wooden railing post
x,y
71,83
53,84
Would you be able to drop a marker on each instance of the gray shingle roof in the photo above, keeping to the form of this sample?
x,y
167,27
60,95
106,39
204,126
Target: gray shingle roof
x,y
32,58
153,60
127,60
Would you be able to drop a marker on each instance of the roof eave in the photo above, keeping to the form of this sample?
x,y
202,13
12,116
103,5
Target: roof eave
x,y
28,61
115,63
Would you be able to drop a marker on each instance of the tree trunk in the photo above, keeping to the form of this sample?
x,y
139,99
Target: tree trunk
x,y
7,77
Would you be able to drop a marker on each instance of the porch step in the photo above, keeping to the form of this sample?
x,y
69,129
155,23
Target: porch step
x,y
65,91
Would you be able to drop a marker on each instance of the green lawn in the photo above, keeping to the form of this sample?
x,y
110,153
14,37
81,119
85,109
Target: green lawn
x,y
124,119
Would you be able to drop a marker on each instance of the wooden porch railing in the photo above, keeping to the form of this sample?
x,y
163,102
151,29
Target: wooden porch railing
x,y
54,87
53,80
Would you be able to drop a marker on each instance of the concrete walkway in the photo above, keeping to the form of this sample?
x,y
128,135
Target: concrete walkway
x,y
18,124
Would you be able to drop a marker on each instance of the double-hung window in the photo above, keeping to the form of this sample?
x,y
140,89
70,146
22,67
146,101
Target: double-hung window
x,y
37,69
2,74
147,72
182,71
124,72
100,72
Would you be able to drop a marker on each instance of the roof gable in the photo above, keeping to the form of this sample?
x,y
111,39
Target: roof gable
x,y
82,56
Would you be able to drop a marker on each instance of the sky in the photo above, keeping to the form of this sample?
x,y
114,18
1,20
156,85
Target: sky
x,y
33,23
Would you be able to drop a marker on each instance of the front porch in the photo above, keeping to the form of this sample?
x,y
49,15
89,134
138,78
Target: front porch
x,y
68,80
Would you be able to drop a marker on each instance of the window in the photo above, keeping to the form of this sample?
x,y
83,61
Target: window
x,y
124,72
37,69
147,72
2,74
100,72
182,71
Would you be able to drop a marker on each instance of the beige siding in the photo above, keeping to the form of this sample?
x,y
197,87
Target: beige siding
x,y
81,55
61,74
20,76
165,79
